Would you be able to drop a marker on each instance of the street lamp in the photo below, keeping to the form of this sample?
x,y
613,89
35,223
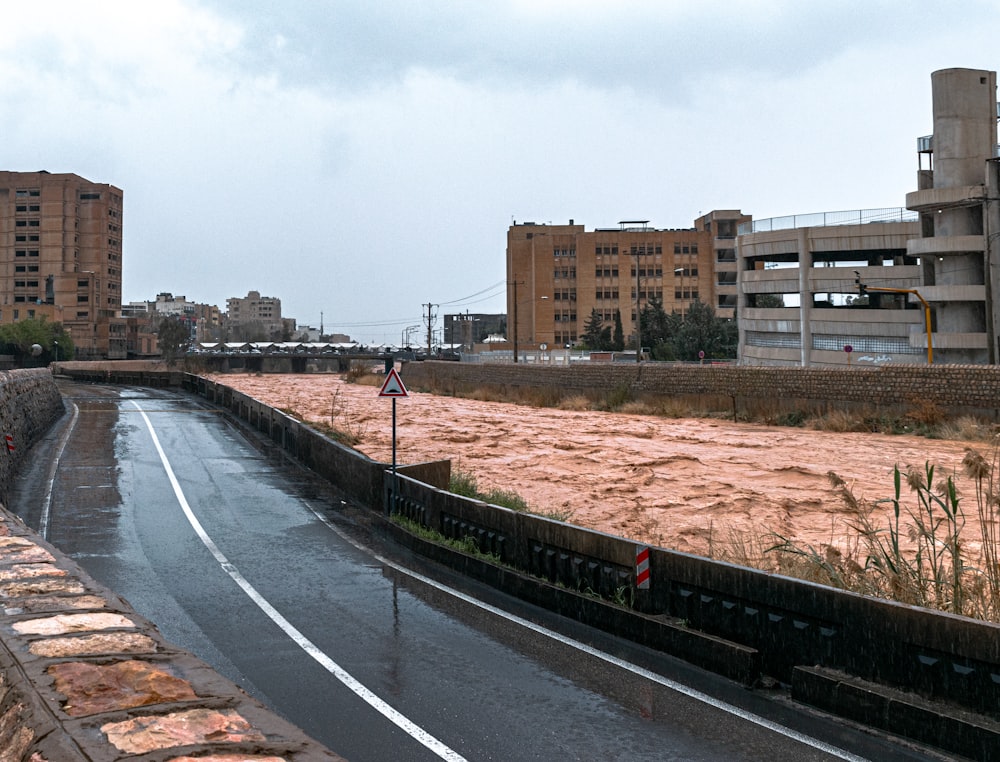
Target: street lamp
x,y
56,345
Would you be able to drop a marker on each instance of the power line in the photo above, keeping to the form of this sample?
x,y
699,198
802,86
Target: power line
x,y
496,285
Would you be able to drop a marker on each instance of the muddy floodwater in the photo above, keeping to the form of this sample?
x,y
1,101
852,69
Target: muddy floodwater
x,y
687,483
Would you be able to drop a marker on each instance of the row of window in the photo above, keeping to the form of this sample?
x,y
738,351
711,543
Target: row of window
x,y
27,193
564,252
566,272
26,238
564,317
565,337
27,208
27,223
646,249
26,252
26,269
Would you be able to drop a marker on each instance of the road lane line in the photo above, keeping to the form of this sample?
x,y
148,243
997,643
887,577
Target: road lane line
x,y
601,655
43,524
408,726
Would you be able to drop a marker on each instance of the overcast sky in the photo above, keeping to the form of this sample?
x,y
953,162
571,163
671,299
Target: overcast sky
x,y
360,159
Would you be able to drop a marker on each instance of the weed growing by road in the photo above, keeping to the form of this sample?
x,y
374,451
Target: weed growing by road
x,y
920,554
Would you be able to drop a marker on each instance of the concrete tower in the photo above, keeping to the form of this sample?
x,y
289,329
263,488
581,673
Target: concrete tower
x,y
955,204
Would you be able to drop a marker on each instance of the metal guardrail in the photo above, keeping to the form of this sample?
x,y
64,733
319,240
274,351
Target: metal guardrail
x,y
823,219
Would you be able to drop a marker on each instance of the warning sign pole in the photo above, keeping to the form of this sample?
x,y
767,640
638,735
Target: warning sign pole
x,y
393,387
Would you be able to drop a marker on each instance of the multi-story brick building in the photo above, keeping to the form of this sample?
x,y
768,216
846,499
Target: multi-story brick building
x,y
557,275
61,257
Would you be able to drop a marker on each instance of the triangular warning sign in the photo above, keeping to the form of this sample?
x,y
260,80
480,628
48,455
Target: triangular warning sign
x,y
393,385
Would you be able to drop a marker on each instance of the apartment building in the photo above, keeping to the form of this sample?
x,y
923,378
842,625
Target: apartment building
x,y
557,275
255,318
61,257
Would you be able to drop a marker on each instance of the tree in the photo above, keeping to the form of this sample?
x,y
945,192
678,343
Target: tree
x,y
596,336
618,337
173,338
19,338
658,329
769,300
702,331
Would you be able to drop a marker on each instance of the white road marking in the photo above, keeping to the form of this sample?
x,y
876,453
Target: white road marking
x,y
43,524
614,660
408,726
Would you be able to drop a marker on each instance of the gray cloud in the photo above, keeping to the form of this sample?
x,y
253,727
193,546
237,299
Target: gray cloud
x,y
658,48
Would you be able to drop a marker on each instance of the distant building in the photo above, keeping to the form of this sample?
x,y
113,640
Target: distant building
x,y
61,250
467,330
255,318
557,275
144,318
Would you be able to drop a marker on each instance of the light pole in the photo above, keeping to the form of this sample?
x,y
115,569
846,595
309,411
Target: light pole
x,y
56,345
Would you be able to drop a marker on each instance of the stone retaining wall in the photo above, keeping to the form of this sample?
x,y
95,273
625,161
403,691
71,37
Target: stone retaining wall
x,y
29,403
953,388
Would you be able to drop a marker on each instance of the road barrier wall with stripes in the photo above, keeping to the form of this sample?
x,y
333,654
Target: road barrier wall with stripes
x,y
892,666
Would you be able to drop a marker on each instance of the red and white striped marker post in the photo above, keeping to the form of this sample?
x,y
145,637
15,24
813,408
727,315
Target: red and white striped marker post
x,y
642,567
9,439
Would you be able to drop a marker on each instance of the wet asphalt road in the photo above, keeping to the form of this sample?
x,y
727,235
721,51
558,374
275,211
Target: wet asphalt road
x,y
270,577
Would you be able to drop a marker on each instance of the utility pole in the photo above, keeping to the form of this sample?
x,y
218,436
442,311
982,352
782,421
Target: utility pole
x,y
514,327
430,325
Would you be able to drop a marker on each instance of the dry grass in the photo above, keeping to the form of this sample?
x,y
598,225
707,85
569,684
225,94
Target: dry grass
x,y
578,402
838,421
922,555
968,428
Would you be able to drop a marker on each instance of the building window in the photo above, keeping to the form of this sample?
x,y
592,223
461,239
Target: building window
x,y
90,196
27,193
